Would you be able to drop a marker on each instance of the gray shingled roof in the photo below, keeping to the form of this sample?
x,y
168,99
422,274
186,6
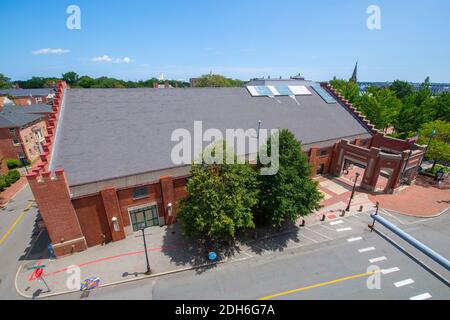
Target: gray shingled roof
x,y
16,119
109,133
32,108
27,92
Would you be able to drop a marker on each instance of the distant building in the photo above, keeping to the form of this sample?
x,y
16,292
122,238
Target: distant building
x,y
194,82
436,88
22,134
29,96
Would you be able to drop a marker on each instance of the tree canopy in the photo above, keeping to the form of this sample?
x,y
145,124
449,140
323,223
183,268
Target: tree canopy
x,y
76,81
220,199
5,82
216,80
439,147
290,193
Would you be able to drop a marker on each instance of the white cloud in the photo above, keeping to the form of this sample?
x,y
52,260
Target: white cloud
x,y
50,51
107,59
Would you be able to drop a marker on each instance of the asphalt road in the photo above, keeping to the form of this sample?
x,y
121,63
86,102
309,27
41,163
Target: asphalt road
x,y
16,230
336,269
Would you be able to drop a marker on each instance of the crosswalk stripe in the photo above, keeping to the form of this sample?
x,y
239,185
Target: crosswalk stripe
x,y
422,296
354,239
377,259
403,283
366,249
390,270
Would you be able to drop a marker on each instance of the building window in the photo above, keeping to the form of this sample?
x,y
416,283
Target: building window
x,y
12,130
144,217
323,153
140,192
16,142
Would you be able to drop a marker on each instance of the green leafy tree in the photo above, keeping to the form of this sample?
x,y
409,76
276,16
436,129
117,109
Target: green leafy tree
x,y
380,106
215,80
349,89
86,82
417,109
441,107
290,193
402,89
5,82
219,201
439,147
71,78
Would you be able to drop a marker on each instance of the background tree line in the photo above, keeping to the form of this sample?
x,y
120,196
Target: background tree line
x,y
76,81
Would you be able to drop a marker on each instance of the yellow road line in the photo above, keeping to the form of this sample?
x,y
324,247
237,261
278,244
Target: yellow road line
x,y
318,285
15,223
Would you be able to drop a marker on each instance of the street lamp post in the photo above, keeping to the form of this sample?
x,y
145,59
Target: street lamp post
x,y
432,134
146,253
353,193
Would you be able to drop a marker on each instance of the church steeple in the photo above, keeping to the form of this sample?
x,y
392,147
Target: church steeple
x,y
354,77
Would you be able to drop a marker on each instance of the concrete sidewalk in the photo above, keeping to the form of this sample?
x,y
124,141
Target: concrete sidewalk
x,y
168,250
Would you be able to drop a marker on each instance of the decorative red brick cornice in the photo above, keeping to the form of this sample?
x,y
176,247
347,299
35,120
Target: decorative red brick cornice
x,y
42,166
350,108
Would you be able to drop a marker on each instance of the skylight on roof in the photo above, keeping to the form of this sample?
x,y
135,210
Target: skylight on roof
x,y
273,91
323,94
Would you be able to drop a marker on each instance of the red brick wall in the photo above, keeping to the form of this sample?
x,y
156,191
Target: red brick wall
x,y
7,148
61,221
92,217
112,210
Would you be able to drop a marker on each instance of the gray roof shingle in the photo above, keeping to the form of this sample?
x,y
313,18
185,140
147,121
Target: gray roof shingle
x,y
109,133
27,92
17,119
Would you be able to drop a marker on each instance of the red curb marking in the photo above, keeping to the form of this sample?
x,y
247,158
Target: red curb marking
x,y
107,259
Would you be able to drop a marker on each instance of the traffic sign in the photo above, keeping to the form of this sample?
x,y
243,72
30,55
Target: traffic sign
x,y
38,272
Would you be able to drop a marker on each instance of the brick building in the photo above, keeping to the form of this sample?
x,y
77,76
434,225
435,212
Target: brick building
x,y
29,96
106,169
22,134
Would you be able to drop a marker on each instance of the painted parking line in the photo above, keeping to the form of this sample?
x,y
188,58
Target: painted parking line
x,y
366,249
20,217
354,239
377,259
343,229
308,238
318,233
422,296
390,270
403,283
336,222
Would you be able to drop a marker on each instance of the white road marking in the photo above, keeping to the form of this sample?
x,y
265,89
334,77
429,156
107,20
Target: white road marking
x,y
377,259
422,296
386,271
366,249
354,239
343,229
336,222
403,283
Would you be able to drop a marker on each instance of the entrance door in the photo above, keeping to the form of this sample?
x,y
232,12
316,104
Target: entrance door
x,y
144,217
320,169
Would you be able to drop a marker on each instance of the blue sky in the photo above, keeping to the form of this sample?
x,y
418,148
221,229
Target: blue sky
x,y
139,39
